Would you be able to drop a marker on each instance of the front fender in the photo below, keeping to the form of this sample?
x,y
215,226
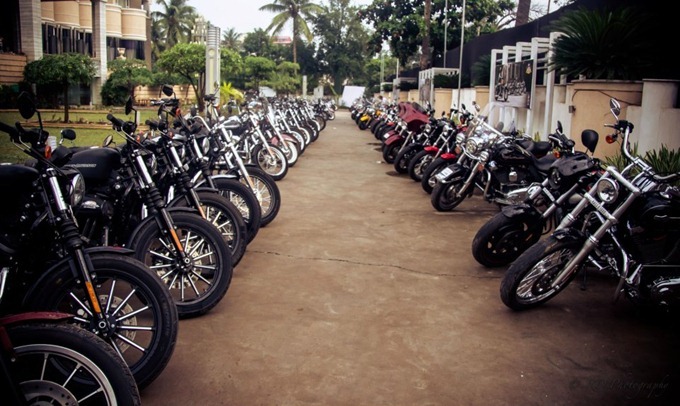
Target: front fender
x,y
521,211
394,139
458,173
23,317
569,235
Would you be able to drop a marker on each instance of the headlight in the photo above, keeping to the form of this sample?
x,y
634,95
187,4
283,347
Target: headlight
x,y
471,145
460,139
607,190
205,145
555,179
77,189
483,156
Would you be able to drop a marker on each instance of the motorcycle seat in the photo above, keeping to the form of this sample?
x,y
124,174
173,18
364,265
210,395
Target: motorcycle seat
x,y
540,148
543,164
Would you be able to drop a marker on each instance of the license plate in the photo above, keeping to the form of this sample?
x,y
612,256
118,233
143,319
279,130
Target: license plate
x,y
443,174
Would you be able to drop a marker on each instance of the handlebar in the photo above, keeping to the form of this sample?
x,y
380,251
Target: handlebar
x,y
118,123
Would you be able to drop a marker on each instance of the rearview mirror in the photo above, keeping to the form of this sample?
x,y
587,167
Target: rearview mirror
x,y
615,107
128,106
167,90
68,134
26,106
107,141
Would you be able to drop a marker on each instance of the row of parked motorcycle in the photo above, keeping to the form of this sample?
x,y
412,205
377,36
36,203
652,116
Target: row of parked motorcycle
x,y
562,212
104,249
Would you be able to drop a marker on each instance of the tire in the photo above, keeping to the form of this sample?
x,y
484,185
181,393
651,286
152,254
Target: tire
x,y
148,321
274,164
502,239
418,165
267,193
363,125
444,197
224,215
245,201
48,353
428,181
403,158
390,152
526,282
200,286
293,152
321,120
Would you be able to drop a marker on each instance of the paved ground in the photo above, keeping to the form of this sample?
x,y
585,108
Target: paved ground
x,y
360,293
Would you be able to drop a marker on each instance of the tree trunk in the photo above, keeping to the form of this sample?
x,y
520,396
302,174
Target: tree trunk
x,y
66,117
425,52
523,8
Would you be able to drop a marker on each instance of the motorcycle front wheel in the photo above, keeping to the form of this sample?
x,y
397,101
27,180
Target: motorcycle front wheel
x,y
502,239
419,164
136,302
198,282
527,282
271,160
224,215
62,364
447,196
428,181
390,152
245,201
267,193
403,158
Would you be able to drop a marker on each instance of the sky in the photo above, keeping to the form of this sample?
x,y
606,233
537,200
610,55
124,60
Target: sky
x,y
245,15
242,15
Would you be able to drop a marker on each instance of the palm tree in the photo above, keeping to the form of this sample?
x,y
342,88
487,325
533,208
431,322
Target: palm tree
x,y
175,21
231,39
523,8
425,52
296,11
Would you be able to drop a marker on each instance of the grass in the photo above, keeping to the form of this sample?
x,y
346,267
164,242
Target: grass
x,y
91,128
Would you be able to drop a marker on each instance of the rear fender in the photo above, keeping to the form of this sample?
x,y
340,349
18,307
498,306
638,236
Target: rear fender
x,y
394,139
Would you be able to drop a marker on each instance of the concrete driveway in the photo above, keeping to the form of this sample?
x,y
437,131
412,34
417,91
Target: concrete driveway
x,y
360,293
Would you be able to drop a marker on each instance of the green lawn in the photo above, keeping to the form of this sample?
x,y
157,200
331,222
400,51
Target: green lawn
x,y
52,122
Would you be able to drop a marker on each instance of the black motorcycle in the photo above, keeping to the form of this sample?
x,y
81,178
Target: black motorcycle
x,y
496,163
124,207
108,291
516,227
627,224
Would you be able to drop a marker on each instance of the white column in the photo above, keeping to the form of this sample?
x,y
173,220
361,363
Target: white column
x,y
31,31
98,49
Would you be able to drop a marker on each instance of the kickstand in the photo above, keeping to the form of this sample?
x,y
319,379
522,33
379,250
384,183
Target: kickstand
x,y
584,280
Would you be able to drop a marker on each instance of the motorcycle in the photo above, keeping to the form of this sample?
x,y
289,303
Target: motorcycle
x,y
493,162
516,227
627,224
47,265
45,360
412,118
124,207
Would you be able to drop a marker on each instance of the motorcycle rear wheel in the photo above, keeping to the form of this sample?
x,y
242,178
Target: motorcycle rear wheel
x,y
48,353
526,283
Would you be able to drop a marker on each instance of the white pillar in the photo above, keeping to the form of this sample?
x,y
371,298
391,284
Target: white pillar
x,y
98,49
31,29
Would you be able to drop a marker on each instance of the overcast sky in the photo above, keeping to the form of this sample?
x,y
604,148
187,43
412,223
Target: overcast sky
x,y
245,15
242,15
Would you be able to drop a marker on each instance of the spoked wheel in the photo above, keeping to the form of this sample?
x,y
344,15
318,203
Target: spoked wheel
x,y
291,152
271,160
267,193
200,278
245,201
224,215
390,152
403,158
62,364
139,307
419,164
527,282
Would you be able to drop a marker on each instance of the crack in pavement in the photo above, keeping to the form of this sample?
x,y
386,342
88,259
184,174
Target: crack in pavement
x,y
377,265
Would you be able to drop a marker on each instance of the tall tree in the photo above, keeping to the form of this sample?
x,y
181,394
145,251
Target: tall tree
x,y
523,8
231,39
295,11
175,21
425,33
342,39
188,61
60,71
